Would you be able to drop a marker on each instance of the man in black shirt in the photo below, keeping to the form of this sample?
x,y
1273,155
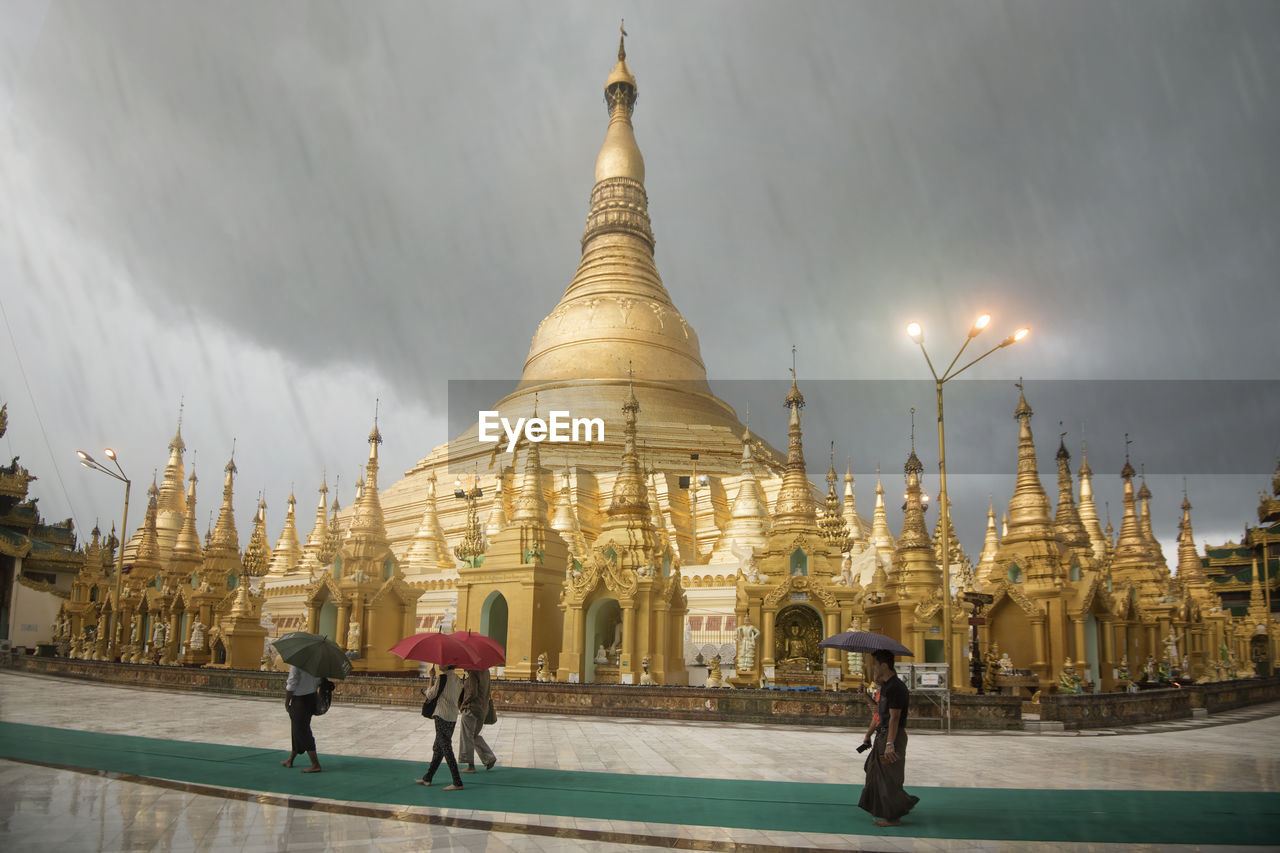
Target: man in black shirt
x,y
882,795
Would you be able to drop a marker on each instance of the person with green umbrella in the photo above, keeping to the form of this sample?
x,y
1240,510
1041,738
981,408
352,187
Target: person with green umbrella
x,y
311,657
300,690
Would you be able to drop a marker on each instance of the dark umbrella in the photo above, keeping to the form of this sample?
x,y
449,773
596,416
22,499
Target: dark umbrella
x,y
865,641
313,653
490,650
441,649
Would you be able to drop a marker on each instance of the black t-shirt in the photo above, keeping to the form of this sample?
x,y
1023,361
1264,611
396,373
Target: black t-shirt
x,y
894,694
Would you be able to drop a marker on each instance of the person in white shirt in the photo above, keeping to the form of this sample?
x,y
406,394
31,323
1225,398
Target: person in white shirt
x,y
447,685
300,701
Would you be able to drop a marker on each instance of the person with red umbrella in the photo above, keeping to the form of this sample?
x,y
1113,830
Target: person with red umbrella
x,y
448,651
477,700
445,686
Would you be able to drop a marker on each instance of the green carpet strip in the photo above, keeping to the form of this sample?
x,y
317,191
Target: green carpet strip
x,y
1006,814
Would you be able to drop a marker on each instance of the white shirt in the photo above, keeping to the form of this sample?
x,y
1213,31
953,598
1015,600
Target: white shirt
x,y
301,683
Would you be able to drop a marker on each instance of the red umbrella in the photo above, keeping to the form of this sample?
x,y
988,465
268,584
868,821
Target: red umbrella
x,y
490,650
441,649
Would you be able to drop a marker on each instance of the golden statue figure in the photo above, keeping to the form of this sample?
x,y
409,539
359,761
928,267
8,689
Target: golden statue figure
x,y
1069,681
991,661
793,647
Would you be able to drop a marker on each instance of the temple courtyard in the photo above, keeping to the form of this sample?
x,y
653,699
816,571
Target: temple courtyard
x,y
88,766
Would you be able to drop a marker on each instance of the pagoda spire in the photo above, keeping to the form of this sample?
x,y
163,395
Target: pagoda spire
x,y
1067,523
257,554
749,515
171,504
224,531
146,561
881,538
1190,566
310,558
857,535
832,523
367,520
187,548
1132,559
916,572
1089,508
1144,519
287,553
1029,506
429,551
565,521
990,545
795,506
529,508
498,512
630,497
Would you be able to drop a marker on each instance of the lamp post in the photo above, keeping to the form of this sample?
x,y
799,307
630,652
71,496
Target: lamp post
x,y
472,545
92,464
916,332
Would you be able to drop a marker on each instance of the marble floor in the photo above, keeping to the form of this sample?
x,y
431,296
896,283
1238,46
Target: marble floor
x,y
49,808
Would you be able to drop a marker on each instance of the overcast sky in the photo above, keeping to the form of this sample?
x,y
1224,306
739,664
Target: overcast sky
x,y
284,211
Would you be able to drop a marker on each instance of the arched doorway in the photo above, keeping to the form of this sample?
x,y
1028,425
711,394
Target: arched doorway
x,y
328,626
493,618
796,634
603,627
1092,668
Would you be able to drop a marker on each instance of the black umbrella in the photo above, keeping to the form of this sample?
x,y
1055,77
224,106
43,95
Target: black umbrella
x,y
865,641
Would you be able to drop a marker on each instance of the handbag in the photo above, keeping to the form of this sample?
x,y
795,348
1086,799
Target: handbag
x,y
429,704
324,697
490,716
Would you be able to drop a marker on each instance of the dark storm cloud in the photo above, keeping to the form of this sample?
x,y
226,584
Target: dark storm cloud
x,y
400,189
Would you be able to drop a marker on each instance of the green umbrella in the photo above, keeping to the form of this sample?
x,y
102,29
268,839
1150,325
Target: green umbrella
x,y
314,654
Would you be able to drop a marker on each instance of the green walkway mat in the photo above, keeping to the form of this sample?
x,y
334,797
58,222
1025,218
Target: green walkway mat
x,y
1010,814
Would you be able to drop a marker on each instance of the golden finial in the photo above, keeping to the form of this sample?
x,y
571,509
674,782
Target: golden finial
x,y
913,429
622,47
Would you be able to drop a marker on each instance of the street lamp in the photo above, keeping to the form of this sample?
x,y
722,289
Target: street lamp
x,y
93,465
472,545
916,332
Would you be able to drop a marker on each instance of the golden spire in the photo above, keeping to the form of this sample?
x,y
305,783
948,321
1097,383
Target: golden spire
x,y
287,553
429,551
914,534
990,544
749,515
146,561
881,537
795,505
565,521
630,497
1067,522
1144,519
616,309
171,500
1131,559
857,535
832,522
224,532
530,505
1029,506
310,557
498,511
367,520
257,554
187,548
1190,566
1089,508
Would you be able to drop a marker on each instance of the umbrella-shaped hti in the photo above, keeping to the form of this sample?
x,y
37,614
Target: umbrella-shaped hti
x,y
440,649
865,641
490,650
313,653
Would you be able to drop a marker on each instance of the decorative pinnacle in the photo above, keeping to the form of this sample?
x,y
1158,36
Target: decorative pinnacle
x,y
622,46
794,399
375,437
231,463
1062,445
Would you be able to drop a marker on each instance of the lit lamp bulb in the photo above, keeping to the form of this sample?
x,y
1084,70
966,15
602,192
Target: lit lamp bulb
x,y
916,332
